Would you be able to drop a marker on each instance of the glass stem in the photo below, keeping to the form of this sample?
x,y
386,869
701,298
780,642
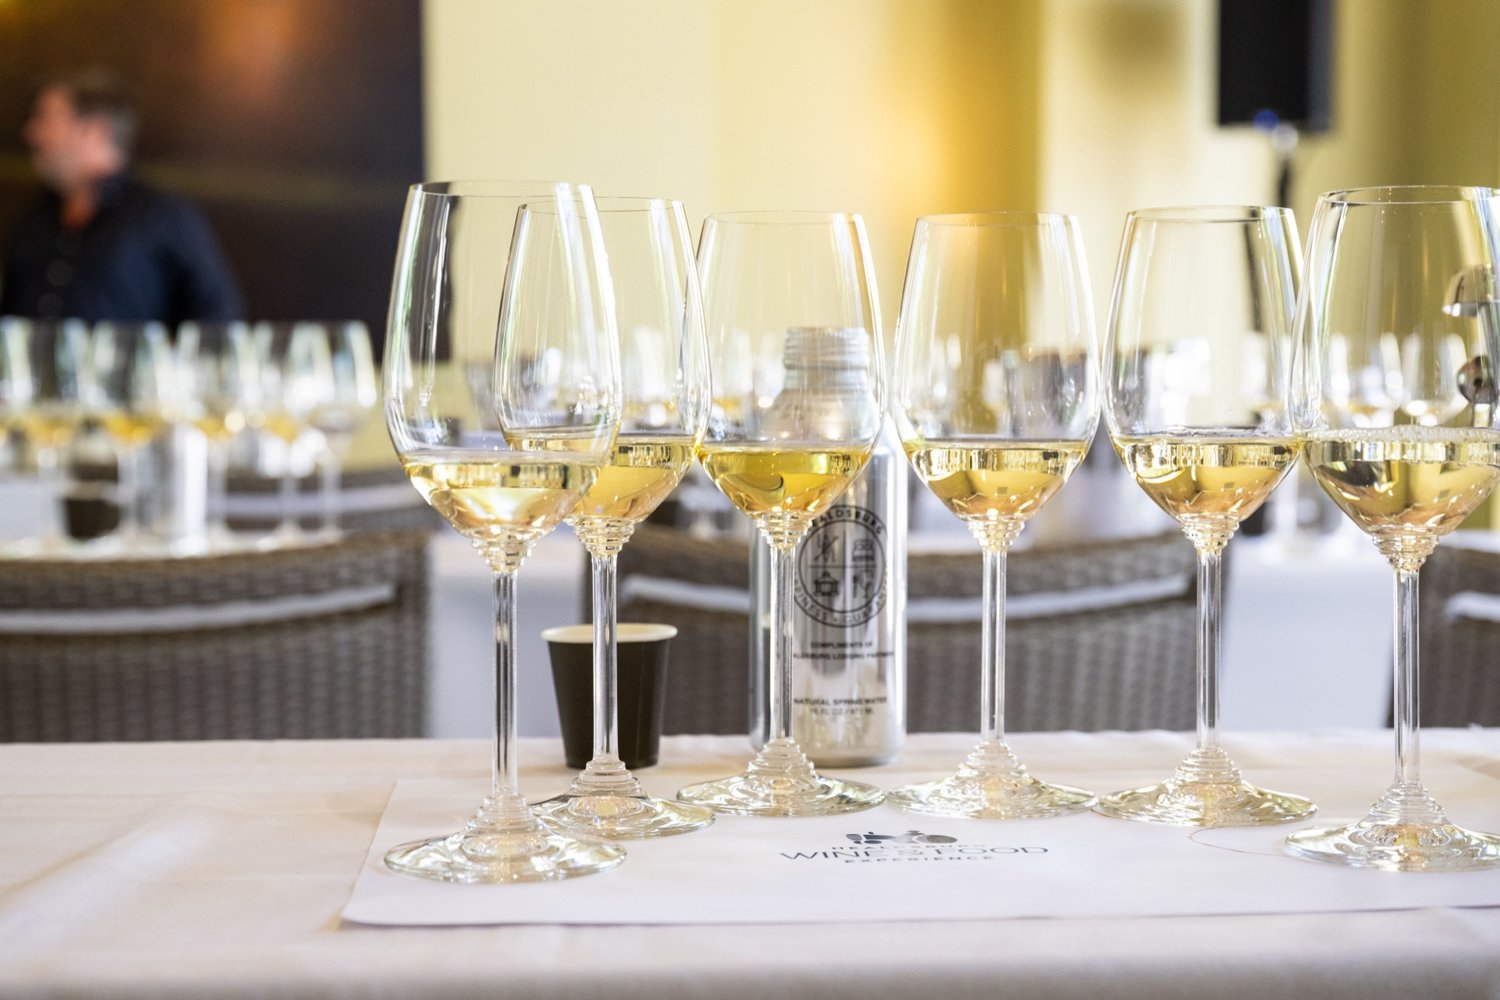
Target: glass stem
x,y
992,648
288,497
128,489
330,488
1404,678
218,488
1210,607
505,778
779,673
606,666
48,471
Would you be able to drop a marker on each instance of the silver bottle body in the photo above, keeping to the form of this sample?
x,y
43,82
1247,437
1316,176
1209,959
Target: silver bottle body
x,y
848,663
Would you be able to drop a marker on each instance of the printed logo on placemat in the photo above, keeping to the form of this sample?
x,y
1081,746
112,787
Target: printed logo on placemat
x,y
913,845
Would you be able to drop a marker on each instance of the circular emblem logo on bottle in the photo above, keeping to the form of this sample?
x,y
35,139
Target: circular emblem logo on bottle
x,y
841,568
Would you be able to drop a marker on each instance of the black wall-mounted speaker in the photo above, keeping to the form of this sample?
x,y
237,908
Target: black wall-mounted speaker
x,y
1276,62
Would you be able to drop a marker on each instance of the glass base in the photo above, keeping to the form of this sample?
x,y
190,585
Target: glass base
x,y
991,784
602,816
503,842
780,781
1206,790
606,802
1406,831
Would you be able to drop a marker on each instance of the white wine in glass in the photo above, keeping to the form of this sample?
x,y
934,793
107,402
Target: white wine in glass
x,y
794,349
502,287
1207,437
664,382
1397,331
996,399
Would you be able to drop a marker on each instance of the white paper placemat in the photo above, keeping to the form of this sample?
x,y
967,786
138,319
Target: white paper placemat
x,y
887,865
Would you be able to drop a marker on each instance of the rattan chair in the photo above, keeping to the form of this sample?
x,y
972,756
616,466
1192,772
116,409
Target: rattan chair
x,y
1099,636
379,498
319,641
1459,601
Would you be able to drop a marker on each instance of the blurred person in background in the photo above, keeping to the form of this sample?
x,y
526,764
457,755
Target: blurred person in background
x,y
100,244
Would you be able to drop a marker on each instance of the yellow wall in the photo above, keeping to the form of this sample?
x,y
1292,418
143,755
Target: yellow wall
x,y
898,108
890,108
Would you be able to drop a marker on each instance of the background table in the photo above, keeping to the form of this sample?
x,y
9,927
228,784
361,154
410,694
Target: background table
x,y
219,869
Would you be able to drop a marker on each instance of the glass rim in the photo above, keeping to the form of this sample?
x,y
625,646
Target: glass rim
x,y
520,189
1225,213
997,218
632,202
1408,194
783,217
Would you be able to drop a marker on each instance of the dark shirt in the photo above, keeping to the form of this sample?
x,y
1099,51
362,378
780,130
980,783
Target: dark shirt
x,y
145,255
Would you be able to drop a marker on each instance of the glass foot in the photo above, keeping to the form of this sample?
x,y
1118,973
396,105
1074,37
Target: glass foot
x,y
1206,790
503,842
606,802
991,784
780,781
1406,831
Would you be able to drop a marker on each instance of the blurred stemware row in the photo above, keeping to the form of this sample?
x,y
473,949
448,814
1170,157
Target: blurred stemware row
x,y
295,393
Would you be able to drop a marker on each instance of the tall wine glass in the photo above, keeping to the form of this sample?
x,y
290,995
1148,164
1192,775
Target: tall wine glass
x,y
221,389
996,396
137,394
338,365
295,375
510,276
664,361
1401,283
794,348
44,375
1207,435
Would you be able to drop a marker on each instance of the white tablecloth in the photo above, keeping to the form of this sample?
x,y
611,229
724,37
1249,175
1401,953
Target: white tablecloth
x,y
218,869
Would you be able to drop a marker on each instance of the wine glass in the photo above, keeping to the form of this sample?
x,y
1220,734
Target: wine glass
x,y
510,275
296,372
1397,332
337,364
221,389
1198,290
136,394
794,349
996,398
43,377
664,362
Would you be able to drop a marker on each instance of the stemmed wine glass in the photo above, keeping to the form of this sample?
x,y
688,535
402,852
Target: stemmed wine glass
x,y
510,276
295,373
1207,436
337,365
794,348
43,379
664,362
136,394
221,389
996,399
1397,333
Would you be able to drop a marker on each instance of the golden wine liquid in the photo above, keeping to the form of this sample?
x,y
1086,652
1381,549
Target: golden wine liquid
x,y
1426,479
1219,477
283,425
47,427
496,497
989,479
785,478
133,429
641,471
220,427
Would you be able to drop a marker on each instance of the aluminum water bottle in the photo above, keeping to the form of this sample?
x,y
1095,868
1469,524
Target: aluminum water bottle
x,y
848,662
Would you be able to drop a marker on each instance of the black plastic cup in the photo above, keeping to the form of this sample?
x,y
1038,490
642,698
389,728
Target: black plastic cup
x,y
642,689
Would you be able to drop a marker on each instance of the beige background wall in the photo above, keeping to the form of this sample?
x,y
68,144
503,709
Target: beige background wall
x,y
897,108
